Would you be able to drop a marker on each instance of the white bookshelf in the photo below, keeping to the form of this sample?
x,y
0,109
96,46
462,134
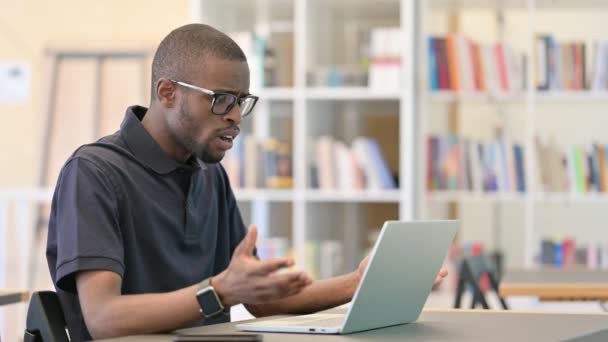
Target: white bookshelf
x,y
274,195
539,96
318,110
509,197
450,96
351,93
571,96
320,38
516,4
571,198
365,196
279,93
534,214
466,196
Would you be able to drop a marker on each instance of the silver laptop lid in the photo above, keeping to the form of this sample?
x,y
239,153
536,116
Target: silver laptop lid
x,y
400,274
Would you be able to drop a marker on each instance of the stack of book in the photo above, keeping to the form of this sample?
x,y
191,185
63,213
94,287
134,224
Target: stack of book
x,y
270,58
252,163
570,65
384,58
336,166
566,254
459,64
574,169
458,164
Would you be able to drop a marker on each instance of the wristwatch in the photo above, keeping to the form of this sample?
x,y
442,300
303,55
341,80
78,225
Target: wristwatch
x,y
208,299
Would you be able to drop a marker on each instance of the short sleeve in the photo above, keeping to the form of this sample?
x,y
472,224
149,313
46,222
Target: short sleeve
x,y
85,218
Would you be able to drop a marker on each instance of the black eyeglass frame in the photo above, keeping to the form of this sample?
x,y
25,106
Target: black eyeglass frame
x,y
244,110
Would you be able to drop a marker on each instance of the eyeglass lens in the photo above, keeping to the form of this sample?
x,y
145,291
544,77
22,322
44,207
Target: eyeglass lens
x,y
224,102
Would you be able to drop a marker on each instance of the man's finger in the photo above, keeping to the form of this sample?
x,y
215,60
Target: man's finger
x,y
299,284
279,286
438,281
295,288
268,266
248,243
291,277
293,283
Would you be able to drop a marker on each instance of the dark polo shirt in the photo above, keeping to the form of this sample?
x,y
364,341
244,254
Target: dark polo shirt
x,y
122,205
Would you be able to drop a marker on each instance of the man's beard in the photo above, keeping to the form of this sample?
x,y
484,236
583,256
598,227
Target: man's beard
x,y
200,151
207,157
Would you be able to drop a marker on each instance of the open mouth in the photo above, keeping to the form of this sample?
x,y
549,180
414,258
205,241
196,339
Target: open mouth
x,y
227,138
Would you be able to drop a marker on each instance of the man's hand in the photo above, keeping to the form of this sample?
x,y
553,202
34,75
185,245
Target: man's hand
x,y
442,274
252,281
361,269
363,264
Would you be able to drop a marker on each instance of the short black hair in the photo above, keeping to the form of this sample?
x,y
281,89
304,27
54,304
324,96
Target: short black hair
x,y
180,54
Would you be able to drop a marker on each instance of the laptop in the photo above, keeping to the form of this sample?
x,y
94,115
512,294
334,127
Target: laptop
x,y
399,276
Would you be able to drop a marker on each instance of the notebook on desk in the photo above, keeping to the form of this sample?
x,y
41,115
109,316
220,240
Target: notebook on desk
x,y
395,285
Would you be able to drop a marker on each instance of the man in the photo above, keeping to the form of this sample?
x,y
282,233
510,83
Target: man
x,y
145,234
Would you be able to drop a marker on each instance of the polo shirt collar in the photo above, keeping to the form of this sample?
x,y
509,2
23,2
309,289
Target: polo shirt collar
x,y
146,149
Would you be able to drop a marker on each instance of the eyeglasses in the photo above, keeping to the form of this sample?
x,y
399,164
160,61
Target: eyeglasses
x,y
222,103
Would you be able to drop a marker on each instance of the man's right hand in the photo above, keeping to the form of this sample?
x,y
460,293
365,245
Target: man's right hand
x,y
249,280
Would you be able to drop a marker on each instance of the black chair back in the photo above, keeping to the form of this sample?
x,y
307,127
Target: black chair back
x,y
45,320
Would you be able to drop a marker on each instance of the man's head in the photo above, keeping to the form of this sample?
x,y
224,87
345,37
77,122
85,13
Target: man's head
x,y
190,57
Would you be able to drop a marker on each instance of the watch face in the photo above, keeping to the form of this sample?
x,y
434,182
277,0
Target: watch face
x,y
209,302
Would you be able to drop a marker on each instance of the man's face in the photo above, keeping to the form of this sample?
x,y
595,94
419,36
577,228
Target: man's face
x,y
202,133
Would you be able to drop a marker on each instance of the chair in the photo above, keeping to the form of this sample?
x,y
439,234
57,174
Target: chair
x,y
45,320
471,270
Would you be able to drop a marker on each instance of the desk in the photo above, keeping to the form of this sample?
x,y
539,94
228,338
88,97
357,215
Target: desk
x,y
556,284
443,325
13,296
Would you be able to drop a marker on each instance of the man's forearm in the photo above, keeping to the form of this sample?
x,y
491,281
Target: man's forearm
x,y
145,313
320,295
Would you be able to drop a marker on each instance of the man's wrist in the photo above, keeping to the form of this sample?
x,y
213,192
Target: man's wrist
x,y
218,286
208,299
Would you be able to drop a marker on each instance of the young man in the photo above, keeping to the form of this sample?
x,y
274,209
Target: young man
x,y
145,234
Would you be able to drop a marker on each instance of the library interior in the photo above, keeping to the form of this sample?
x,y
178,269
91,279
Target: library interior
x,y
491,114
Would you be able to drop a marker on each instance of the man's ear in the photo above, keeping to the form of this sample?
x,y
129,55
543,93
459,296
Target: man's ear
x,y
166,92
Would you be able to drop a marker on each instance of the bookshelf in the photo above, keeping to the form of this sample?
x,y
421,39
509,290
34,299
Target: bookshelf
x,y
277,195
274,195
552,96
517,222
516,4
278,93
366,196
328,96
540,197
352,93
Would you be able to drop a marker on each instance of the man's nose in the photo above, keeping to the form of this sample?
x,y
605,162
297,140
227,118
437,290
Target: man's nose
x,y
234,115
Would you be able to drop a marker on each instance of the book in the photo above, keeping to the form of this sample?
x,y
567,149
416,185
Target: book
x,y
325,162
458,63
461,164
256,163
433,64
